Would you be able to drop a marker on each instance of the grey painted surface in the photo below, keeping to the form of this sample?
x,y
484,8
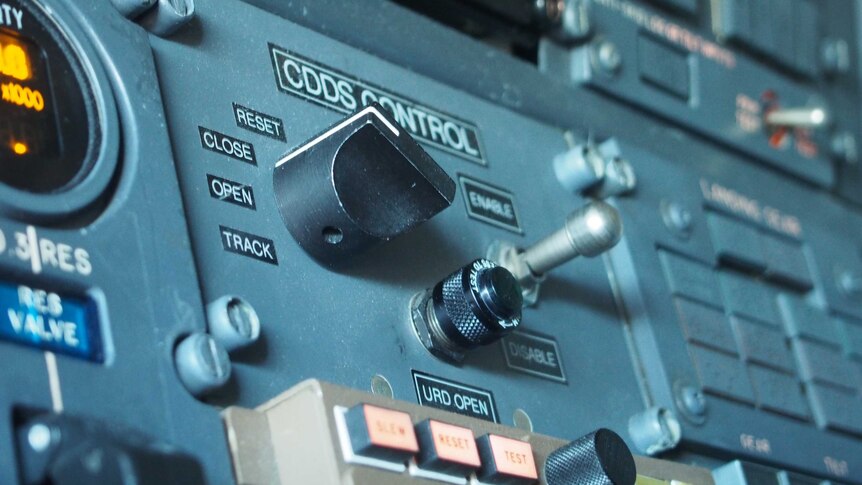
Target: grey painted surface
x,y
158,257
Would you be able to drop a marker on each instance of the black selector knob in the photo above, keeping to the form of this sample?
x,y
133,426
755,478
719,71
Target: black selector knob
x,y
599,458
361,182
477,305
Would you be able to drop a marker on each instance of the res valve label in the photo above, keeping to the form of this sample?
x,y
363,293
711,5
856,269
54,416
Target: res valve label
x,y
341,92
455,397
49,321
534,355
28,246
249,245
227,145
490,204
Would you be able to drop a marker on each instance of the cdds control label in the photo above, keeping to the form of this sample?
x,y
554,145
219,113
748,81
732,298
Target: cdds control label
x,y
341,92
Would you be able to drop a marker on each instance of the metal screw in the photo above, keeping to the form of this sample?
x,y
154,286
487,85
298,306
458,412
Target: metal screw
x,y
579,168
620,179
168,16
522,420
380,385
40,437
835,56
608,56
550,11
575,20
693,401
850,283
202,363
655,430
233,322
677,218
844,147
132,8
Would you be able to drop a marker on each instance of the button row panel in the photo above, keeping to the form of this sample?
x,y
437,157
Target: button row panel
x,y
326,434
435,446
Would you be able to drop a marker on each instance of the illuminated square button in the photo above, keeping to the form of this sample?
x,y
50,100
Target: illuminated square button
x,y
446,448
381,433
506,461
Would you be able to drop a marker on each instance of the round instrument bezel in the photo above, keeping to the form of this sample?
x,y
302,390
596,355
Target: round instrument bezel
x,y
102,154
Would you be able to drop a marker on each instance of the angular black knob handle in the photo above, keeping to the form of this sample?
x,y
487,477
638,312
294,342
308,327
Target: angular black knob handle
x,y
359,183
599,458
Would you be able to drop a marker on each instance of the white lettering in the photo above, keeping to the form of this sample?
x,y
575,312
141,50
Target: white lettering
x,y
491,204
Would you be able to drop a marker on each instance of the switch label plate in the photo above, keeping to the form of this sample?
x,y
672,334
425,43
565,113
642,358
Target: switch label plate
x,y
50,321
534,355
227,190
490,204
455,397
336,90
248,245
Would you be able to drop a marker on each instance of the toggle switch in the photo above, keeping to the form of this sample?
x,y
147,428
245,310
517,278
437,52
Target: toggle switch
x,y
362,182
476,305
814,117
589,231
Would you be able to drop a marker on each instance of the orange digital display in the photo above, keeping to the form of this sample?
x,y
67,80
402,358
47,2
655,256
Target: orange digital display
x,y
15,58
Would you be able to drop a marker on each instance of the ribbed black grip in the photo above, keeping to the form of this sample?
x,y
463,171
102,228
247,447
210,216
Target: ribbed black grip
x,y
599,458
477,304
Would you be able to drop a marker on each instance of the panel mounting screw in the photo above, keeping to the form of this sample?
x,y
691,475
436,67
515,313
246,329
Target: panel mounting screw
x,y
835,56
380,385
849,282
844,147
607,55
677,218
202,363
233,322
692,401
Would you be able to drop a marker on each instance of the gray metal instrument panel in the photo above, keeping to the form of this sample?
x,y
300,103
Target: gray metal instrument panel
x,y
732,281
741,299
351,324
347,326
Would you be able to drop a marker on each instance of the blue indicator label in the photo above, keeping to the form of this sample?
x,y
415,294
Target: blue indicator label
x,y
48,321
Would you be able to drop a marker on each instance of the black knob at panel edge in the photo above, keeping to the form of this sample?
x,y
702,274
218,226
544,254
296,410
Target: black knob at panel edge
x,y
360,183
599,458
477,304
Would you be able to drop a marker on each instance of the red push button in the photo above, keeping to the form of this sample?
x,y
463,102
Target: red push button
x,y
506,461
381,433
447,448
